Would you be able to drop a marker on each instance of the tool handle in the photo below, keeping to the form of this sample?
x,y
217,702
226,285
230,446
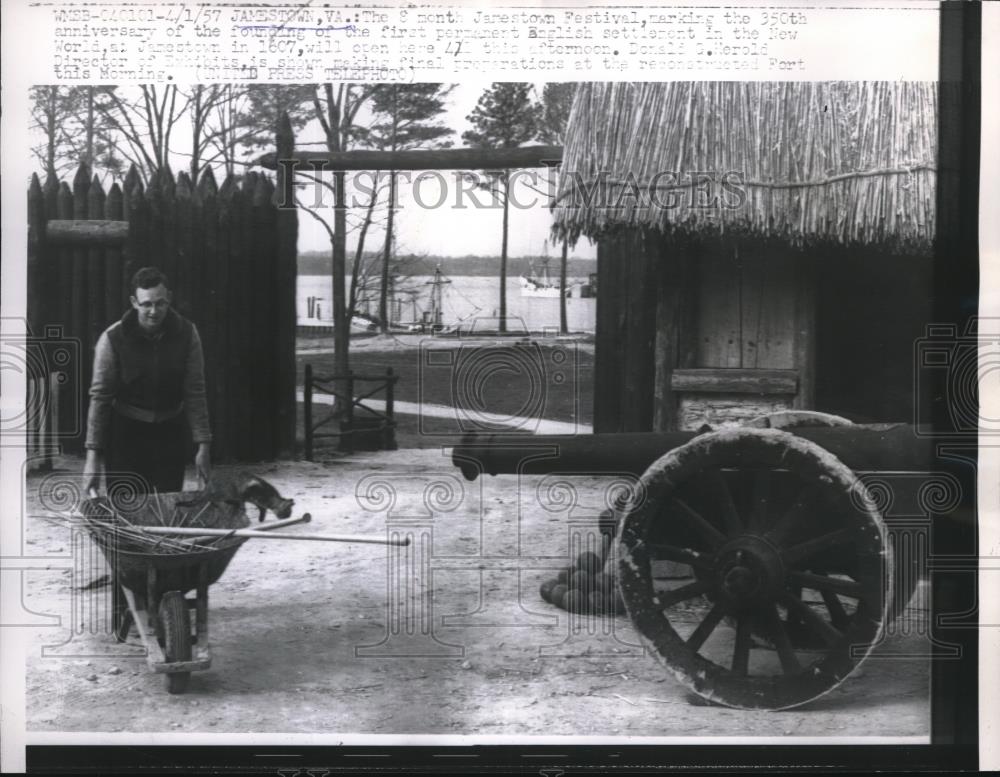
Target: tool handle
x,y
304,518
254,533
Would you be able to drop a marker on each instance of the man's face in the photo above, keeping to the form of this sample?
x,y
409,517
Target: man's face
x,y
151,305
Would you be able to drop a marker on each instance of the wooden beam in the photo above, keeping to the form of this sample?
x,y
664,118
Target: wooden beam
x,y
736,381
670,291
423,159
107,234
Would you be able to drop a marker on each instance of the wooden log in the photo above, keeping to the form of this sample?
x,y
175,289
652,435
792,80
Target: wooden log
x,y
286,262
606,361
169,260
96,315
231,240
102,233
421,159
139,236
182,215
79,318
666,358
133,195
735,381
805,332
209,326
238,343
261,325
63,307
114,295
37,248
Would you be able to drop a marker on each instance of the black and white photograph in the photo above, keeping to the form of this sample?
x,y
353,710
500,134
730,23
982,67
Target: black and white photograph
x,y
490,412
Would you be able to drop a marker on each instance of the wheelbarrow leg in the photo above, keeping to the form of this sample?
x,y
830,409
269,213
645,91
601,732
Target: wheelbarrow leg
x,y
153,604
201,608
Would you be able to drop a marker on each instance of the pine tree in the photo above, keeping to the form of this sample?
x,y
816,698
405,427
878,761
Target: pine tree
x,y
557,100
505,117
405,118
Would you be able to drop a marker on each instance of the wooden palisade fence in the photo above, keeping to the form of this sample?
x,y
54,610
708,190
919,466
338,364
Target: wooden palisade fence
x,y
231,271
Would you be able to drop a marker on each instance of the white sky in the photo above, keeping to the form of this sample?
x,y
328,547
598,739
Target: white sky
x,y
457,227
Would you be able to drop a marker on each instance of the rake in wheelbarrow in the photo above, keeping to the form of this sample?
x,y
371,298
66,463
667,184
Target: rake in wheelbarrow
x,y
163,547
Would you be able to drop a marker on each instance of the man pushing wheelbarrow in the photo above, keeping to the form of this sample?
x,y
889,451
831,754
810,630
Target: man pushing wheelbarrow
x,y
160,542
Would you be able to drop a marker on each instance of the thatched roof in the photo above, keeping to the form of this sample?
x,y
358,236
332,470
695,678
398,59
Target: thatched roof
x,y
818,161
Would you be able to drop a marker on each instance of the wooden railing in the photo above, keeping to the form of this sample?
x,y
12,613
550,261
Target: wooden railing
x,y
355,419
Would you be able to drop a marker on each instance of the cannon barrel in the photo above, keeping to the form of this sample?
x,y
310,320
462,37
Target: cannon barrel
x,y
862,447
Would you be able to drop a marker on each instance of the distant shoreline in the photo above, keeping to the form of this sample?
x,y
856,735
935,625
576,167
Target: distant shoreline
x,y
313,263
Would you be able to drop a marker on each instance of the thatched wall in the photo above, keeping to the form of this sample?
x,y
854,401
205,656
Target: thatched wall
x,y
841,162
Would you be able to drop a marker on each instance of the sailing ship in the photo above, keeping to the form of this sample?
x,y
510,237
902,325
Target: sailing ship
x,y
540,284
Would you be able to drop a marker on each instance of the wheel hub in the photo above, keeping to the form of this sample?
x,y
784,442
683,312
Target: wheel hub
x,y
749,571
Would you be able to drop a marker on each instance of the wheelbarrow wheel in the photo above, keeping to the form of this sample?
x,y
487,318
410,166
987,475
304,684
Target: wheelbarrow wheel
x,y
791,568
176,623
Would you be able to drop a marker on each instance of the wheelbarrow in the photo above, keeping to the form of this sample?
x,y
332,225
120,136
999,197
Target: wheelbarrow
x,y
793,579
165,547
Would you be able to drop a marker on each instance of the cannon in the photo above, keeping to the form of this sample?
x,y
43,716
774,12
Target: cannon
x,y
793,576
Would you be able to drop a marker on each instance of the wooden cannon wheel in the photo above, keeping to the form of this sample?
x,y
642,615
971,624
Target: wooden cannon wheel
x,y
792,567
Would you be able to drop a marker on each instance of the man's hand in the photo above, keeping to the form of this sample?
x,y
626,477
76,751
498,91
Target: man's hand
x,y
203,463
93,468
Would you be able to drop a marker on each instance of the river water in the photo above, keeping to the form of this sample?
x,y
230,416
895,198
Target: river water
x,y
464,300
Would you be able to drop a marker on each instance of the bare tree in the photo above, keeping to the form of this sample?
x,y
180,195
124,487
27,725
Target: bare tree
x,y
144,124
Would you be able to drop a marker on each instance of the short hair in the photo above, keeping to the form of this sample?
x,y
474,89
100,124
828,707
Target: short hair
x,y
148,278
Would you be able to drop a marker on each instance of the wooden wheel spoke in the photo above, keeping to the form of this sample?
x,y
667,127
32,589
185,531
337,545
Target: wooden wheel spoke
x,y
761,491
838,615
786,654
694,519
693,558
718,485
705,628
811,547
741,649
824,583
814,620
685,592
799,516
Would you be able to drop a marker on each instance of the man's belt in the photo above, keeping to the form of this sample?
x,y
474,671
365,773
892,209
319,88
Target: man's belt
x,y
147,416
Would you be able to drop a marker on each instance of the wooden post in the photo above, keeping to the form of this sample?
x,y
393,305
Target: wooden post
x,y
114,297
668,324
79,323
606,362
349,410
307,413
805,332
389,442
287,267
341,322
237,342
563,327
96,315
170,259
261,268
37,280
135,211
215,293
181,215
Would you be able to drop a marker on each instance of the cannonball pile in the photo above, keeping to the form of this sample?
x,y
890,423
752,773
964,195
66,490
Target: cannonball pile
x,y
585,587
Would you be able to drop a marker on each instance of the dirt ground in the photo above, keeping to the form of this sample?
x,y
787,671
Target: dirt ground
x,y
448,636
